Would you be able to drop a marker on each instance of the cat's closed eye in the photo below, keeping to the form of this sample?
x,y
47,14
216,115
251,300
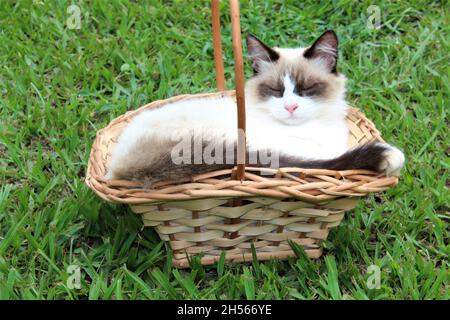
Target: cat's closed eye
x,y
277,91
272,90
313,89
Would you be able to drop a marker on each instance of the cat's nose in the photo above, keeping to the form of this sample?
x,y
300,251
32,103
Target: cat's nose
x,y
291,107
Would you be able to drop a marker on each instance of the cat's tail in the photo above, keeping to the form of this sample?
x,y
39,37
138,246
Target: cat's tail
x,y
374,156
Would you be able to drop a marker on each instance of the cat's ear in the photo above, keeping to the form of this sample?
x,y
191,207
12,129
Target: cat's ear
x,y
260,53
325,49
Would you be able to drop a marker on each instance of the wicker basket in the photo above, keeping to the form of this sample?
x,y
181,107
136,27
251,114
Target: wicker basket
x,y
234,210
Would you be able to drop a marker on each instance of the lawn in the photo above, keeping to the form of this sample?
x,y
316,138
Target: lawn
x,y
59,84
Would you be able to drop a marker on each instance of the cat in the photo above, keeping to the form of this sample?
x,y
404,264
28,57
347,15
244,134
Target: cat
x,y
296,110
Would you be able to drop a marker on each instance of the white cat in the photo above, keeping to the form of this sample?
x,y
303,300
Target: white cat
x,y
296,109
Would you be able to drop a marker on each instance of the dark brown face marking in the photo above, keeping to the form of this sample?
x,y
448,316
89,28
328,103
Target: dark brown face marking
x,y
310,87
304,86
271,88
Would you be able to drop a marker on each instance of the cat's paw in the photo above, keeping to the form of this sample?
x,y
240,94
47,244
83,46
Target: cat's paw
x,y
393,161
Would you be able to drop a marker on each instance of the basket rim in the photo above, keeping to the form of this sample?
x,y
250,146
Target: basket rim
x,y
310,185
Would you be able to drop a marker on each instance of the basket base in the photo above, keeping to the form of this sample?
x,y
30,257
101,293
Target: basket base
x,y
247,257
240,227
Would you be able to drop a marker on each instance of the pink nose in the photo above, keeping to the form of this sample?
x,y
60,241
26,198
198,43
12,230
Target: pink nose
x,y
291,108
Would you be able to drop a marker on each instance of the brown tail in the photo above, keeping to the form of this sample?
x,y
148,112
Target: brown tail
x,y
368,156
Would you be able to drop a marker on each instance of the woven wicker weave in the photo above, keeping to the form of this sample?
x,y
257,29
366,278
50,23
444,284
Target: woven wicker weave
x,y
215,213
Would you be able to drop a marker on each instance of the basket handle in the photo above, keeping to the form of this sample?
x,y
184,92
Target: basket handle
x,y
239,73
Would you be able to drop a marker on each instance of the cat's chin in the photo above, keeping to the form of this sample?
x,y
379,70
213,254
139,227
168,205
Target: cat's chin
x,y
291,121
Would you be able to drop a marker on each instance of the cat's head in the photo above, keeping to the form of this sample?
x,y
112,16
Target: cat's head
x,y
297,85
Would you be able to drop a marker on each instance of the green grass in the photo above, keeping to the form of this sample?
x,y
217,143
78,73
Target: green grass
x,y
58,86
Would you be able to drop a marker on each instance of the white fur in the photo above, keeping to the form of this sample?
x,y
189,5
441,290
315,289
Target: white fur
x,y
394,161
211,117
